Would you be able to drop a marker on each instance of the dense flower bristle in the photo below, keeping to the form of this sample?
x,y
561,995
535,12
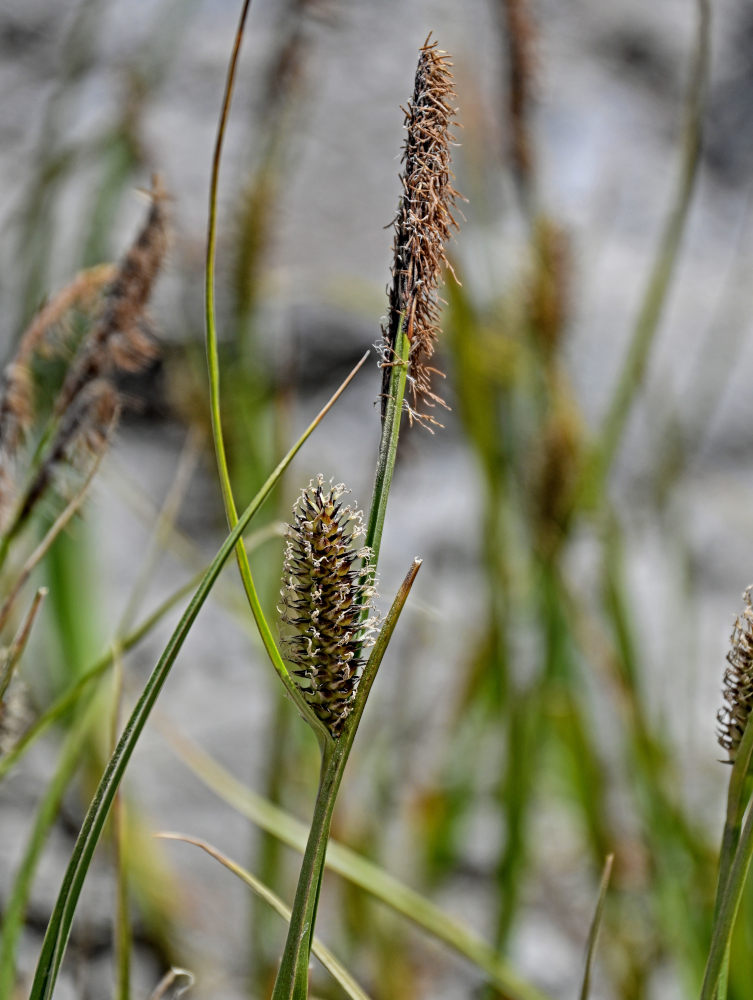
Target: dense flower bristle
x,y
423,225
17,403
737,694
121,339
324,600
87,405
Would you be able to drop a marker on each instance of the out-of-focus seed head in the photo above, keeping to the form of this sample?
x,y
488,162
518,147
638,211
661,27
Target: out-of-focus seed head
x,y
423,226
521,77
121,338
549,292
87,405
86,426
324,601
737,694
42,338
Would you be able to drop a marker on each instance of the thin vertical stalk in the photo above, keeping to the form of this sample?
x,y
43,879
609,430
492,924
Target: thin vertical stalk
x,y
593,933
213,363
388,444
655,294
736,805
292,977
727,911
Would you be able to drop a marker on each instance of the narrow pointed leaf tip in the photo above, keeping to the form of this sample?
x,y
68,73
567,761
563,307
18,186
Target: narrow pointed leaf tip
x,y
323,597
423,225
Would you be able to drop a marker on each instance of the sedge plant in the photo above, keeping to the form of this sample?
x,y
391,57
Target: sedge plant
x,y
328,582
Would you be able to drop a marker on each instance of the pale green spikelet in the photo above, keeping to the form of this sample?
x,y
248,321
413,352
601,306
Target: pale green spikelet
x,y
325,601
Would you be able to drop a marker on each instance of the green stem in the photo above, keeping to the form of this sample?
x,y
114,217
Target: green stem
x,y
122,939
737,800
362,874
655,295
213,364
727,912
292,977
595,924
388,444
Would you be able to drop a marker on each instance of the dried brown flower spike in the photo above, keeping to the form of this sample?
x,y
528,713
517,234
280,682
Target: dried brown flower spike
x,y
121,338
423,225
738,682
520,37
323,600
87,406
17,404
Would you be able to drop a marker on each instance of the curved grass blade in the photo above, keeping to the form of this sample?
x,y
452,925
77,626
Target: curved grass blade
x,y
593,934
170,984
335,968
16,902
213,364
655,295
345,862
9,660
70,697
59,927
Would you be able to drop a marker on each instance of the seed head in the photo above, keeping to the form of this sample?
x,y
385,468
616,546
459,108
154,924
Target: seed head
x,y
17,403
549,292
121,338
86,426
521,71
737,694
324,600
423,226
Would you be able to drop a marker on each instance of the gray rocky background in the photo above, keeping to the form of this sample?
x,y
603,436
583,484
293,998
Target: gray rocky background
x,y
610,85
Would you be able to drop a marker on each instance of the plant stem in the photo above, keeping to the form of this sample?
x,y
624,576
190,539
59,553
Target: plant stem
x,y
727,912
361,873
260,889
292,977
737,800
655,294
213,364
388,444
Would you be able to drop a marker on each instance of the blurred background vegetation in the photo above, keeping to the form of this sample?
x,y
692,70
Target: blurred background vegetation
x,y
584,516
